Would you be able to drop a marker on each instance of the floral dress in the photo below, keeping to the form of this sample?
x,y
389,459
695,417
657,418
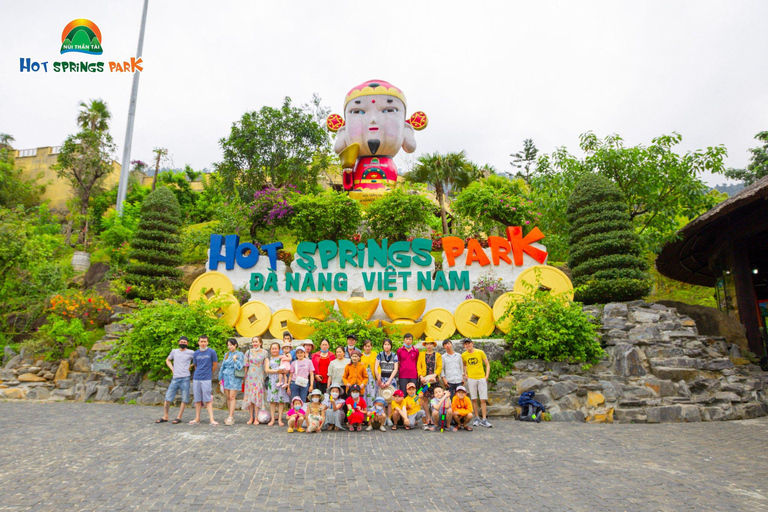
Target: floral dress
x,y
254,379
274,393
371,389
227,370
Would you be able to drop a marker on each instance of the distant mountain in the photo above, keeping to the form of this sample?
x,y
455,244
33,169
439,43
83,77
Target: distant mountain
x,y
731,190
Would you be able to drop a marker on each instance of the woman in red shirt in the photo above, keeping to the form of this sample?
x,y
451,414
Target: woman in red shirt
x,y
321,360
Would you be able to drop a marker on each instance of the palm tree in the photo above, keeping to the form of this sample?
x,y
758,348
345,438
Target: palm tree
x,y
446,173
94,116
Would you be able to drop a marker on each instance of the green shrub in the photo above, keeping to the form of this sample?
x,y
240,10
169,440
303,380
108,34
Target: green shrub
x,y
327,216
336,328
118,231
552,328
156,248
605,251
156,330
395,215
56,338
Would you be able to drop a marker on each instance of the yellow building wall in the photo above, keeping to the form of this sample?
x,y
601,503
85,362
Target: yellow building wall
x,y
37,162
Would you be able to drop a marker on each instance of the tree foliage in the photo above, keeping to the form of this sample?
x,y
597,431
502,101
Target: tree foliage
x,y
495,202
15,190
605,257
396,215
156,248
525,160
277,146
328,216
658,185
758,163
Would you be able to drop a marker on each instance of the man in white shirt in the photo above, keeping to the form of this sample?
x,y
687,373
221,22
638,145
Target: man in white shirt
x,y
178,361
453,368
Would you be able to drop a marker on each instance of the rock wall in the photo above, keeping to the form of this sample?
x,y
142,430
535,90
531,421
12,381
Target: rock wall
x,y
658,369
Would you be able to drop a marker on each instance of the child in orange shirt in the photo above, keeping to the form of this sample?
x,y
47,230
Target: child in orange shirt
x,y
462,409
355,373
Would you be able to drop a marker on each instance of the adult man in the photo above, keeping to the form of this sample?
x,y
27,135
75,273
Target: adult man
x,y
350,346
178,361
453,368
407,356
205,361
477,379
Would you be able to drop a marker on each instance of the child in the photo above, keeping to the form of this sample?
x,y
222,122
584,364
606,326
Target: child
x,y
296,415
378,415
356,408
334,408
355,373
413,407
441,408
462,409
315,412
285,364
399,414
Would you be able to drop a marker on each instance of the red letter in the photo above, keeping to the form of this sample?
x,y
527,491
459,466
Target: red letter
x,y
453,247
476,253
499,249
521,245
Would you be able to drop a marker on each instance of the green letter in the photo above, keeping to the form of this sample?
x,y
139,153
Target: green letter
x,y
461,283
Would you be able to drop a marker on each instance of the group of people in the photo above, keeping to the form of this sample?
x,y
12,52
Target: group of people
x,y
349,388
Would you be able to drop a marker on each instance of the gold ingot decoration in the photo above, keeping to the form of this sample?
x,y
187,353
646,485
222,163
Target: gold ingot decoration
x,y
358,305
279,323
312,308
544,277
348,157
302,329
474,319
440,324
373,324
254,319
500,307
229,310
208,285
404,308
400,326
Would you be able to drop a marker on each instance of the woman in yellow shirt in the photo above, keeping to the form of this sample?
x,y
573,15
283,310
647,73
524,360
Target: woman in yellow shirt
x,y
368,358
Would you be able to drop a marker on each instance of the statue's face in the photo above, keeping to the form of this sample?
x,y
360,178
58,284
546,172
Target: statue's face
x,y
377,123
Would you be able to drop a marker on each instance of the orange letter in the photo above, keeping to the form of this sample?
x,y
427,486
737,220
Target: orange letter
x,y
499,249
453,247
111,66
476,253
521,245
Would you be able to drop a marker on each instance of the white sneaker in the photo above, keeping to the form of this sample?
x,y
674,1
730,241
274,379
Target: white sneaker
x,y
382,428
369,427
476,422
486,423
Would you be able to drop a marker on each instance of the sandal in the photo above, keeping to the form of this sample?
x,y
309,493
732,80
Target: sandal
x,y
176,421
194,422
161,420
394,427
407,427
468,428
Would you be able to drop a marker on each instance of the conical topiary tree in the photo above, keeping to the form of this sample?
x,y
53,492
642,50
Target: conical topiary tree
x,y
605,255
156,248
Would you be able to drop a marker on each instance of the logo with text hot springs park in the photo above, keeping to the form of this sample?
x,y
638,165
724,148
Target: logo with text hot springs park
x,y
81,36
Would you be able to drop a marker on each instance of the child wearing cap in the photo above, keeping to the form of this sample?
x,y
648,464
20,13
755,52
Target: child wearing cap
x,y
462,409
296,415
285,363
413,408
399,413
355,373
356,409
334,408
441,407
377,416
315,412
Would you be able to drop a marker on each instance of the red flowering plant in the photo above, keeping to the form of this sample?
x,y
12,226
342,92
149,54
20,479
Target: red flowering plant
x,y
89,307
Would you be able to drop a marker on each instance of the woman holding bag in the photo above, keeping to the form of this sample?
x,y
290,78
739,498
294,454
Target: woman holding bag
x,y
254,380
231,376
302,375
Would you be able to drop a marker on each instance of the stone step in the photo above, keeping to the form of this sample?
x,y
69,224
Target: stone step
x,y
117,328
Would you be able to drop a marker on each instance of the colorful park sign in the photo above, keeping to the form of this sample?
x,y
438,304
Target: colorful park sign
x,y
398,274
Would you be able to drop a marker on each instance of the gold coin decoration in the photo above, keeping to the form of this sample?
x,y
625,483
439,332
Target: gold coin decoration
x,y
500,307
254,319
279,322
544,277
439,324
208,285
474,319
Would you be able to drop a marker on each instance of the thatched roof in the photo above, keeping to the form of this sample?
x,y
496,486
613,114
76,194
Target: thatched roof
x,y
688,258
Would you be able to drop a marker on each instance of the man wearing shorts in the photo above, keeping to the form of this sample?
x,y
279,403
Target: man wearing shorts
x,y
205,361
178,361
477,379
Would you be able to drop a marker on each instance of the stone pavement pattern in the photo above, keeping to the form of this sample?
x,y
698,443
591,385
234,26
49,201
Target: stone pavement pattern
x,y
65,456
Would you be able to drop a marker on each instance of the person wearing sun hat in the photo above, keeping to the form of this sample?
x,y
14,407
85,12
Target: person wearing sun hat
x,y
357,409
296,415
429,366
378,415
334,408
315,411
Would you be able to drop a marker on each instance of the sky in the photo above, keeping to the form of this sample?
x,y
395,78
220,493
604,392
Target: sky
x,y
487,73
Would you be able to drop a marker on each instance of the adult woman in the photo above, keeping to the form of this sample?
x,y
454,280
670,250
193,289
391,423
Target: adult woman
x,y
254,380
370,391
321,360
336,369
302,376
387,366
234,360
276,396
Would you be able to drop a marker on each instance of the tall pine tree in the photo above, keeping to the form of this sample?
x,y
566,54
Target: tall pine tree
x,y
605,255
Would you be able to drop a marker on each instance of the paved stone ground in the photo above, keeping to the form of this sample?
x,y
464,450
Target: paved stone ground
x,y
65,456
